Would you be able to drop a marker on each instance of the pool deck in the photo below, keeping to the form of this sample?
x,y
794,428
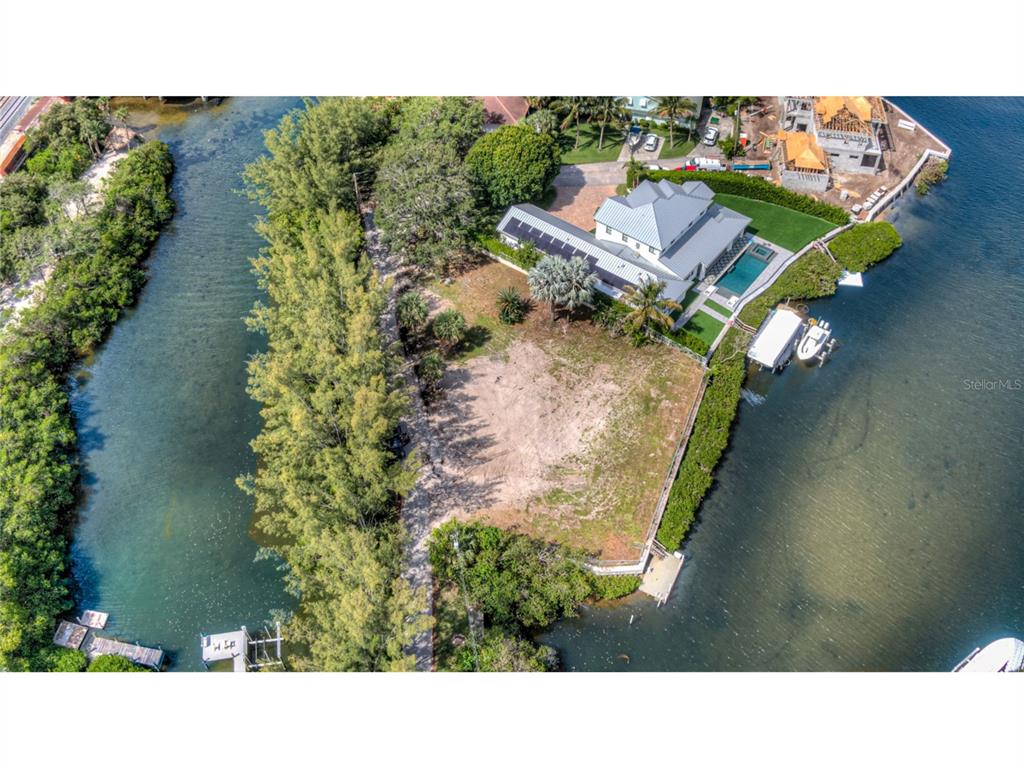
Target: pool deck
x,y
723,297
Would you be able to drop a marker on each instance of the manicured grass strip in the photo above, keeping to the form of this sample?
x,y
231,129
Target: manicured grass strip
x,y
708,440
783,226
754,188
681,150
589,138
718,308
704,326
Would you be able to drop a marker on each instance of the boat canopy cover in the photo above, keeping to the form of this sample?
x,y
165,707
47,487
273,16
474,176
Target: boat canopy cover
x,y
774,342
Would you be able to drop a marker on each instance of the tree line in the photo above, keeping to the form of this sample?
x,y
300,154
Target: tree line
x,y
97,276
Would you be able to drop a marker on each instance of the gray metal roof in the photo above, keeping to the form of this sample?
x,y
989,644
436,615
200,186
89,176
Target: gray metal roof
x,y
616,264
656,214
705,241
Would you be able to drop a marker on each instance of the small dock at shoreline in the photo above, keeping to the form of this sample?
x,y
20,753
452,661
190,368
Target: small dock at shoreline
x,y
140,654
661,574
82,636
244,651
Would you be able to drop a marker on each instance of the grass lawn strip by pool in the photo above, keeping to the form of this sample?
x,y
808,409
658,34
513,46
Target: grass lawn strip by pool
x,y
783,226
705,326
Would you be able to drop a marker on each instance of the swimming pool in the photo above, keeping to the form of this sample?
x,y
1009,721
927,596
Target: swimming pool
x,y
742,274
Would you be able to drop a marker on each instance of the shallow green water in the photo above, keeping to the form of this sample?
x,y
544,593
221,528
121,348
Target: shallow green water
x,y
163,540
867,514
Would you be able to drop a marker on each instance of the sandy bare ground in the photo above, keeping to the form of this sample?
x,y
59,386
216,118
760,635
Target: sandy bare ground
x,y
16,298
560,431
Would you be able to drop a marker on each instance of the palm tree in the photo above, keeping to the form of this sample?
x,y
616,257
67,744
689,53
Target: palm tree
x,y
577,287
732,105
121,118
608,109
672,108
544,280
648,307
575,109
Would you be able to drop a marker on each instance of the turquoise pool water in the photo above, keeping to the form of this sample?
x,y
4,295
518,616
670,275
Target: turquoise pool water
x,y
743,273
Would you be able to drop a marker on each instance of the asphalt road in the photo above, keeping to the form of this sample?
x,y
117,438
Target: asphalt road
x,y
11,110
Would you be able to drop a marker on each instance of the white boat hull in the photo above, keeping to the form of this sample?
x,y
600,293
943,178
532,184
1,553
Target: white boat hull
x,y
1003,655
812,343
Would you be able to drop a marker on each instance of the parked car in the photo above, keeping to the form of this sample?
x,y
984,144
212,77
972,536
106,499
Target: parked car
x,y
710,136
652,142
636,135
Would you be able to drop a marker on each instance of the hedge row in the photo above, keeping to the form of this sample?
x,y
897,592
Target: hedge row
x,y
526,257
811,276
87,292
755,188
689,340
866,244
708,440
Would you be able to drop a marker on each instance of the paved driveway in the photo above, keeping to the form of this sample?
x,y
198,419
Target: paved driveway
x,y
611,173
577,205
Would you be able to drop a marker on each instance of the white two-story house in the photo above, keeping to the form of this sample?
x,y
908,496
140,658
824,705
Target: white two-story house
x,y
674,233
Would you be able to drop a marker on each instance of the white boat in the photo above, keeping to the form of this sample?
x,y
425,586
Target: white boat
x,y
813,342
1003,655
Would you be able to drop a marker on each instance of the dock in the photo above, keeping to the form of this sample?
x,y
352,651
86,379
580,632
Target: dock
x,y
140,654
661,574
70,635
93,619
245,651
227,645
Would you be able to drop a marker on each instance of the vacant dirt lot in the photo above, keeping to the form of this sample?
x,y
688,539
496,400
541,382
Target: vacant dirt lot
x,y
558,430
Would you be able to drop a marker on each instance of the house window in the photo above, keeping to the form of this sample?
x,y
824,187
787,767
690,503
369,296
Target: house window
x,y
652,249
624,238
854,157
643,103
607,229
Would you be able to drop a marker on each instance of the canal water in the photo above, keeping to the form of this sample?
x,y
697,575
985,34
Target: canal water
x,y
867,515
163,541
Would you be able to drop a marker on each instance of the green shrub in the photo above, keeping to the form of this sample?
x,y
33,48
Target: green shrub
x,y
753,187
68,162
526,256
934,171
511,306
614,587
111,663
513,164
690,340
708,440
499,651
67,660
412,311
449,327
430,371
811,276
865,244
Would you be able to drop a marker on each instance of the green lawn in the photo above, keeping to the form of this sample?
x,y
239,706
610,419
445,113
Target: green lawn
x,y
682,147
588,151
724,311
783,226
705,326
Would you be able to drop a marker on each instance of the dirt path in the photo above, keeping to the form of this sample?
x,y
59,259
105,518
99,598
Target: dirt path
x,y
418,510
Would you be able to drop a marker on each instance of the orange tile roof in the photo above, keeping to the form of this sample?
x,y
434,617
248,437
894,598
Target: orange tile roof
x,y
802,150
